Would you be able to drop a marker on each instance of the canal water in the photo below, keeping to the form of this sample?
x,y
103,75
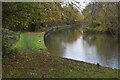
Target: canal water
x,y
91,48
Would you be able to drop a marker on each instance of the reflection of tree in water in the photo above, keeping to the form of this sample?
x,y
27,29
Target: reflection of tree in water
x,y
106,45
55,39
90,38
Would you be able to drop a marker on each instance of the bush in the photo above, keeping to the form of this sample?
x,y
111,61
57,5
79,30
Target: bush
x,y
7,43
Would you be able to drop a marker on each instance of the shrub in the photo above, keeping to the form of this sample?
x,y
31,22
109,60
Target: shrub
x,y
7,44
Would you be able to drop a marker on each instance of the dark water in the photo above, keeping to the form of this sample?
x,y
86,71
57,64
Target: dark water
x,y
92,48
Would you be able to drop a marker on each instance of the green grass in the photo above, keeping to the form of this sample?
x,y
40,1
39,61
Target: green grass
x,y
30,41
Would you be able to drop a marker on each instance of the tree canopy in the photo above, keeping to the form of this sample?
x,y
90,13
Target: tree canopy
x,y
19,15
104,14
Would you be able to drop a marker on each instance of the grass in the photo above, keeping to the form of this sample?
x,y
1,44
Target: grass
x,y
43,64
50,66
30,41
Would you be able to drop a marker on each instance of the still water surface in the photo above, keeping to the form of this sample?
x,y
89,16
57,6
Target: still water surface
x,y
92,48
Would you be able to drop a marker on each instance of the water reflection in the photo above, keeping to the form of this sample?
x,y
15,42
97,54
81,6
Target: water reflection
x,y
55,39
93,48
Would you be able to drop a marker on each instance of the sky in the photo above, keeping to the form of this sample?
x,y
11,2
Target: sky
x,y
82,4
57,0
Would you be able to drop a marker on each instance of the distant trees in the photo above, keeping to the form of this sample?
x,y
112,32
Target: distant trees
x,y
20,16
71,15
105,14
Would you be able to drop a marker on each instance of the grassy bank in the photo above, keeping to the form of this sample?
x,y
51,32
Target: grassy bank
x,y
31,41
43,64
